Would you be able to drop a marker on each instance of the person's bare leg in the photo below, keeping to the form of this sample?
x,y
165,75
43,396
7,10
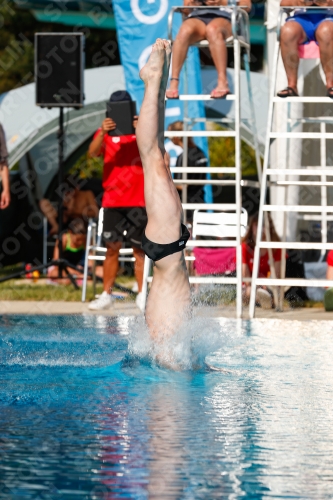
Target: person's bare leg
x,y
190,32
111,265
217,31
50,213
169,298
292,34
329,273
324,36
138,266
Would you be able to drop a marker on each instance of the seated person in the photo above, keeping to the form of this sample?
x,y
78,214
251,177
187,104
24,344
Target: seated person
x,y
263,297
76,204
302,28
328,298
329,260
213,25
73,246
196,158
4,172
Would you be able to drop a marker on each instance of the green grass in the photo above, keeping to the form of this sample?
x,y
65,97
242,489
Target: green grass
x,y
14,290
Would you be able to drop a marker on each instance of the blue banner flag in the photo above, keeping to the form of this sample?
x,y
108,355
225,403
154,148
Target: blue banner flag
x,y
139,23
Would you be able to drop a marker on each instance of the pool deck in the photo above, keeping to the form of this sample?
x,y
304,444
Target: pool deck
x,y
130,309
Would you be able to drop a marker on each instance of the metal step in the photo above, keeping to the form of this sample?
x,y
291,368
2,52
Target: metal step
x,y
199,182
314,217
296,245
297,208
198,280
294,282
210,206
299,183
203,170
200,133
301,171
314,99
201,97
212,243
301,135
217,182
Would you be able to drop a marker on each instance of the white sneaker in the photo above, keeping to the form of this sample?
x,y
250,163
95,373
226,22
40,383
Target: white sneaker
x,y
104,301
140,301
264,298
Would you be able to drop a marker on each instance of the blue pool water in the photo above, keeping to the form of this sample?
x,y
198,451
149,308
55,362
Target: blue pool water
x,y
77,421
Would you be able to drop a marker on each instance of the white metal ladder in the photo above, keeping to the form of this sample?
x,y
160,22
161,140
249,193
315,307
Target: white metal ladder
x,y
317,212
237,41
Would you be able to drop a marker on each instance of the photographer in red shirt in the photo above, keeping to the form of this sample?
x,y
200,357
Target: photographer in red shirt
x,y
125,216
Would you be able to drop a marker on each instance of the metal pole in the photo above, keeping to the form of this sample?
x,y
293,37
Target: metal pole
x,y
85,272
60,179
44,243
238,179
284,229
254,124
263,186
146,271
323,188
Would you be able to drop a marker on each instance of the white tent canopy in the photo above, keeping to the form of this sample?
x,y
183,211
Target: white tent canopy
x,y
31,131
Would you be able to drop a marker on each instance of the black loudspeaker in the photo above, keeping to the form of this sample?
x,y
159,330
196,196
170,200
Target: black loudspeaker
x,y
59,61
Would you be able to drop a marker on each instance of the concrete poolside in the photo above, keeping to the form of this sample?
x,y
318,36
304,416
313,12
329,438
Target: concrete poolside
x,y
130,309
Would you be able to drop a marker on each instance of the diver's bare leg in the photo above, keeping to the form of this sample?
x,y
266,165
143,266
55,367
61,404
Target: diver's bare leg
x,y
168,303
163,205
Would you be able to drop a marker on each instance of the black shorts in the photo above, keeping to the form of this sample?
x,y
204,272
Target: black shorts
x,y
124,224
206,17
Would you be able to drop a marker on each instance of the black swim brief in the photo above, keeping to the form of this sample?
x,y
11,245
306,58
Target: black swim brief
x,y
156,251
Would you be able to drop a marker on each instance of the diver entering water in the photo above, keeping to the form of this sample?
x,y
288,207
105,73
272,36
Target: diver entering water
x,y
169,300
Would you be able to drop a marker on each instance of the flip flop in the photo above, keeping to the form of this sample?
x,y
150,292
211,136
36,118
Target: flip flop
x,y
287,92
172,94
329,92
219,94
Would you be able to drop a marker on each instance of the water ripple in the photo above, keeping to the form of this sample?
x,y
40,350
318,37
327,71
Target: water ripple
x,y
77,422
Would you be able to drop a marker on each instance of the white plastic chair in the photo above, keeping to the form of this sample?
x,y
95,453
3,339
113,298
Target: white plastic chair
x,y
96,252
221,225
218,224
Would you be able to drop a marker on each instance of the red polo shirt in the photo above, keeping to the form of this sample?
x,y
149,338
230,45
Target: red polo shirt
x,y
123,181
247,258
329,259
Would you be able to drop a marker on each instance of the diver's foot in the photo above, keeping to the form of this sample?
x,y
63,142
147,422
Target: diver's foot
x,y
153,71
166,66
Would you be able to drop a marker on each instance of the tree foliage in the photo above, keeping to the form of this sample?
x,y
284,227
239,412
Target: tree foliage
x,y
17,29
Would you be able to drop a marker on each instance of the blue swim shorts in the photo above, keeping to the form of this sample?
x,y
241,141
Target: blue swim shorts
x,y
310,23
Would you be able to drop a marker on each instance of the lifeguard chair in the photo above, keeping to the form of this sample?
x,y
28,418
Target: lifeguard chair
x,y
240,42
290,177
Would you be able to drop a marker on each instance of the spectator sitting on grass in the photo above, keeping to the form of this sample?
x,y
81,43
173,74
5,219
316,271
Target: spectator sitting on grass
x,y
76,204
4,172
263,296
328,298
73,251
